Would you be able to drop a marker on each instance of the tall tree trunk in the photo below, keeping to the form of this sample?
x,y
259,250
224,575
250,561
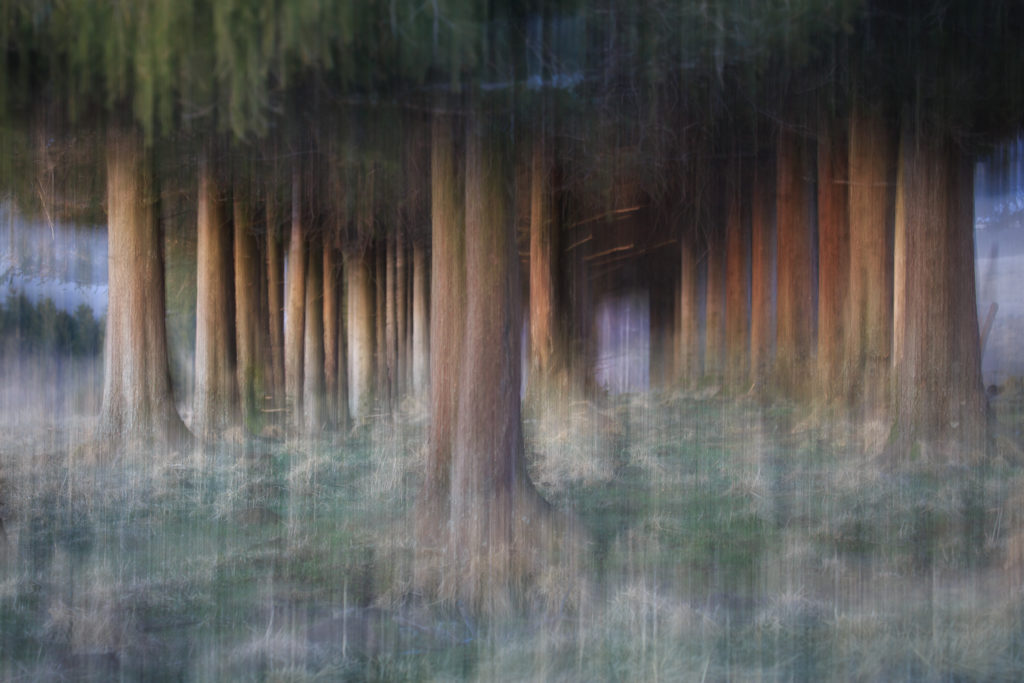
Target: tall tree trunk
x,y
344,415
447,334
940,403
275,300
313,396
359,310
251,381
420,321
391,322
137,401
543,259
737,314
401,316
330,324
795,289
833,254
380,319
869,319
215,402
295,309
689,341
762,275
492,503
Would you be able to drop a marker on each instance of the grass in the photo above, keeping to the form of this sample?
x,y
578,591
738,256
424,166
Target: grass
x,y
723,544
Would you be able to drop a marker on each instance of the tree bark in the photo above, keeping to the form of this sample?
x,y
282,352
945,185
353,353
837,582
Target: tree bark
x,y
762,276
313,396
940,403
833,255
795,289
690,369
869,317
275,300
714,308
215,402
420,321
251,381
359,310
137,402
295,309
391,322
401,317
380,319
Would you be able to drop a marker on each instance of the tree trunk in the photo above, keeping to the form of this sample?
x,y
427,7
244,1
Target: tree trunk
x,y
401,317
940,403
869,318
689,339
737,314
714,308
313,397
251,381
215,402
295,308
275,300
833,255
391,323
137,401
420,321
330,325
492,503
380,319
543,252
795,290
762,276
359,309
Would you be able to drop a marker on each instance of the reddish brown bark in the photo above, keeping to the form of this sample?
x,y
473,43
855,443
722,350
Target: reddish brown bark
x,y
762,275
737,314
295,309
689,342
359,312
331,269
543,251
249,339
314,412
275,300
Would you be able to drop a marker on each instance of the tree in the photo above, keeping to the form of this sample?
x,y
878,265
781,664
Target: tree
x,y
295,307
137,402
762,274
249,338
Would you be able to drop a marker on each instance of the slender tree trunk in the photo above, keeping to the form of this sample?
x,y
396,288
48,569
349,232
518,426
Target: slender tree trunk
x,y
940,403
344,415
714,308
737,314
543,253
795,304
137,401
251,381
215,402
420,321
833,254
380,318
359,310
391,322
401,316
447,334
690,369
762,275
275,300
295,309
869,320
313,395
330,324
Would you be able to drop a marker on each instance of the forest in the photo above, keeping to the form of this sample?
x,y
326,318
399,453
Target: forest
x,y
510,340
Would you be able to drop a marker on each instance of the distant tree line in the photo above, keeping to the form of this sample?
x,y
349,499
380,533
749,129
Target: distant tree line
x,y
43,328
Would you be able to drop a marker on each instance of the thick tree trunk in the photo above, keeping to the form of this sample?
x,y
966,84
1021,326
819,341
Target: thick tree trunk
x,y
689,340
137,401
795,290
275,301
940,403
833,255
737,314
330,324
215,402
869,318
762,276
543,258
420,321
295,309
313,397
250,376
359,310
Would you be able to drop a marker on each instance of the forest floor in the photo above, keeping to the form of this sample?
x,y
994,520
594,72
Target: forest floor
x,y
727,541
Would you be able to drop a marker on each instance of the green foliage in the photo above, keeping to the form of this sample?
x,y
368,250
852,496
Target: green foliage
x,y
43,328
